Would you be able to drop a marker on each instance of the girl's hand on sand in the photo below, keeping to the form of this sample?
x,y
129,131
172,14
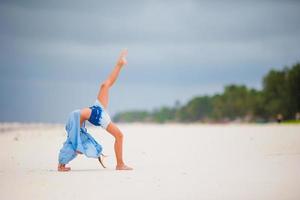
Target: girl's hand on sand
x,y
122,59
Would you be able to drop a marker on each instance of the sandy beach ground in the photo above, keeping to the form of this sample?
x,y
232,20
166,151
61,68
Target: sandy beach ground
x,y
171,162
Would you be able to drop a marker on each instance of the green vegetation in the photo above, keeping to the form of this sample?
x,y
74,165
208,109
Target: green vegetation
x,y
292,121
280,96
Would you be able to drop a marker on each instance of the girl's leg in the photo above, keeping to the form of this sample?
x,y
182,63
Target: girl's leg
x,y
115,131
103,96
105,86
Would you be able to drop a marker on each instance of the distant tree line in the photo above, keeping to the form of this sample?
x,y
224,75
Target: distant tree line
x,y
280,96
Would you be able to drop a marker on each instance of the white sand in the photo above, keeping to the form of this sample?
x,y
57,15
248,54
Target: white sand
x,y
171,162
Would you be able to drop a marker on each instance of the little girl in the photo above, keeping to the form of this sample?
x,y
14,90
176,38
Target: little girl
x,y
79,141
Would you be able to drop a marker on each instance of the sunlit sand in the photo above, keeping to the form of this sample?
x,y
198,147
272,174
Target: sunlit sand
x,y
170,162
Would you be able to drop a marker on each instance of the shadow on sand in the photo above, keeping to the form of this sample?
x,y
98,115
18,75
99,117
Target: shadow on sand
x,y
81,170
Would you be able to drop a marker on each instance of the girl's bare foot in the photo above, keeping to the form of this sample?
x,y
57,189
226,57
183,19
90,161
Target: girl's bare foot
x,y
122,59
123,167
63,168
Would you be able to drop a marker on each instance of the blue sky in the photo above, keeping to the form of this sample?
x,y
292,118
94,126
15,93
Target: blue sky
x,y
54,54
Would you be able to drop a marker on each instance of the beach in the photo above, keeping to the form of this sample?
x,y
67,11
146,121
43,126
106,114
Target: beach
x,y
170,161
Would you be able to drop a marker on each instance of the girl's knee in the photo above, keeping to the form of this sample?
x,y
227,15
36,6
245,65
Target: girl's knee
x,y
114,131
119,135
